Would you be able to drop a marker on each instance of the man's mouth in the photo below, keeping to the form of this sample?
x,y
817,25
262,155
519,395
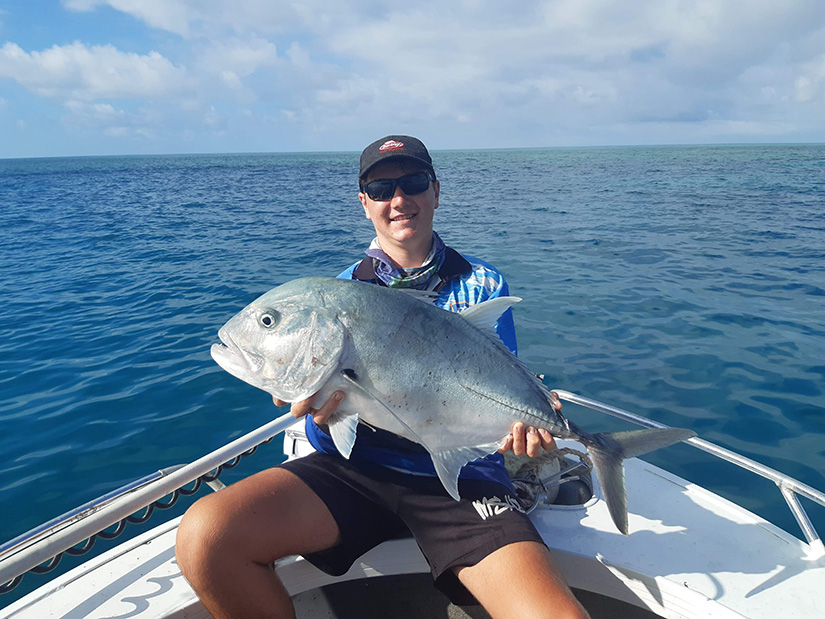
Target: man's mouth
x,y
402,217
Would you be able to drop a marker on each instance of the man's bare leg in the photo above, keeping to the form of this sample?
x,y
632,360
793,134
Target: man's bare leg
x,y
521,580
228,541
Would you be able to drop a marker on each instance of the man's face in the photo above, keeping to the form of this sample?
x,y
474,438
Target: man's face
x,y
402,219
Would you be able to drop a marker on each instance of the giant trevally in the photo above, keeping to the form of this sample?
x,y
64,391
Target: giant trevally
x,y
438,378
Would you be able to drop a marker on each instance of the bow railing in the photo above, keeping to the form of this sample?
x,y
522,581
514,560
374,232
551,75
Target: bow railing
x,y
40,549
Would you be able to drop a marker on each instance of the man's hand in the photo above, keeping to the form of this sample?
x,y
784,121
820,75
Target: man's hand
x,y
529,440
320,415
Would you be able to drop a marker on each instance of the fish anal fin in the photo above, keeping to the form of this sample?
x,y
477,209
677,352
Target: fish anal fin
x,y
448,464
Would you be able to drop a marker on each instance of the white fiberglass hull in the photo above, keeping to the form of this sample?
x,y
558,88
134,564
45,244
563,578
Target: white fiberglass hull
x,y
690,554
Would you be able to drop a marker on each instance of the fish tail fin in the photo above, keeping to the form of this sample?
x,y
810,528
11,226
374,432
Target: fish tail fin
x,y
609,450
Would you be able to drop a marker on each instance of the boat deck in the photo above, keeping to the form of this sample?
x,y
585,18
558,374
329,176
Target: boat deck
x,y
690,554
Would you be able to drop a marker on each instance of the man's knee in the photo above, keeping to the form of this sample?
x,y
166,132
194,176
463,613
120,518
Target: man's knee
x,y
521,580
255,521
198,537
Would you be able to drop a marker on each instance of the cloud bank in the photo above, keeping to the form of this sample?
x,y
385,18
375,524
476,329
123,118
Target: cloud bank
x,y
477,73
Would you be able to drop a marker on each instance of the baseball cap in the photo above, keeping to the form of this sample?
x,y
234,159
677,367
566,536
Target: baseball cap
x,y
394,146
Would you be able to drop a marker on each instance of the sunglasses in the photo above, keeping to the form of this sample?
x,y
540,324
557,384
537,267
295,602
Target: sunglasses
x,y
411,184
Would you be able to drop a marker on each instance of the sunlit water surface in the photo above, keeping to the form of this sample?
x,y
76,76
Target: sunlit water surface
x,y
686,284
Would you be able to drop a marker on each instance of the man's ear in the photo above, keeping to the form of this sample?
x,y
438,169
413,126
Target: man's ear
x,y
363,198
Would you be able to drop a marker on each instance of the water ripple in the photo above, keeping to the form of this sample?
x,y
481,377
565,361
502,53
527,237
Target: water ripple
x,y
683,283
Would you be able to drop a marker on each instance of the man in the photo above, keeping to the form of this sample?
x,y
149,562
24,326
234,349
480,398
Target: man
x,y
332,510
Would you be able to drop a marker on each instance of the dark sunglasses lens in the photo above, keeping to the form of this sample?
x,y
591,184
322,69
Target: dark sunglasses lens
x,y
380,190
411,184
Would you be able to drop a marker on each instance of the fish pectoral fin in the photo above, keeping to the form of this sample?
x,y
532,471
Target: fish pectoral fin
x,y
343,428
448,464
484,315
350,377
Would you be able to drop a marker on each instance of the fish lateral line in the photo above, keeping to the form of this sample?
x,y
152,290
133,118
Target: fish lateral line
x,y
564,421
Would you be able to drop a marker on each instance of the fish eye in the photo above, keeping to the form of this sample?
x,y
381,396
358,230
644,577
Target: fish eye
x,y
268,319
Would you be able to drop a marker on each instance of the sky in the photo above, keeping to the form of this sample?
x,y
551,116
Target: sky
x,y
98,77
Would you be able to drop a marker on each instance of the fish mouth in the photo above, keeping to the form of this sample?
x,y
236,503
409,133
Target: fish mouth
x,y
233,358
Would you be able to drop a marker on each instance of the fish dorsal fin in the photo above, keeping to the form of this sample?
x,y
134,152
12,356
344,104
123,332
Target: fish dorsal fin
x,y
448,464
484,315
343,428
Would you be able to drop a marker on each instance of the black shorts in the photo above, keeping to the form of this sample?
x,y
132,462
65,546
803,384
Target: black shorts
x,y
372,504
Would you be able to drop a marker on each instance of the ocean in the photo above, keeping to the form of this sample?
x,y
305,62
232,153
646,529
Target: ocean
x,y
685,283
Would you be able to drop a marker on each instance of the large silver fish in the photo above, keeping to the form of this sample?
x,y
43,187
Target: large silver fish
x,y
440,379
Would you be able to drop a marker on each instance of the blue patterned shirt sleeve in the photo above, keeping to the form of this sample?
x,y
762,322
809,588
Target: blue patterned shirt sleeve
x,y
483,283
348,273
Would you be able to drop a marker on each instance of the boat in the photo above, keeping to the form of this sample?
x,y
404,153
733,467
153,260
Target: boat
x,y
690,554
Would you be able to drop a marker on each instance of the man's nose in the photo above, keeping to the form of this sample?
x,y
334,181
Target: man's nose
x,y
399,195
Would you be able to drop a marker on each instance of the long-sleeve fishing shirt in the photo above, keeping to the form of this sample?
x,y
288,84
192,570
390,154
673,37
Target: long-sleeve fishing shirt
x,y
463,281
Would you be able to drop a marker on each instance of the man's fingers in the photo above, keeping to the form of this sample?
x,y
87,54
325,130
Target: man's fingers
x,y
547,440
304,407
533,440
506,444
299,409
519,441
322,415
555,401
528,441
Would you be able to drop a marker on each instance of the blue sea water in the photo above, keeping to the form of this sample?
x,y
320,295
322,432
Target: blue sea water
x,y
686,284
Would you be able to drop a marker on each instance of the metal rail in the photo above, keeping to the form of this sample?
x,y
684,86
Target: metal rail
x,y
788,486
49,541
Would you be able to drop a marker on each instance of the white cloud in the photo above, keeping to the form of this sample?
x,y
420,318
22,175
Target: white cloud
x,y
76,71
150,122
170,15
810,86
436,57
231,80
548,72
232,60
96,112
206,18
99,117
242,56
214,121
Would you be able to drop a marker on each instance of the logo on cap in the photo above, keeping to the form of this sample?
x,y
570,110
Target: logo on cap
x,y
391,145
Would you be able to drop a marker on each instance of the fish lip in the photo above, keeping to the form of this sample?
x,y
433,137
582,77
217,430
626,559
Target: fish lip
x,y
226,339
253,362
